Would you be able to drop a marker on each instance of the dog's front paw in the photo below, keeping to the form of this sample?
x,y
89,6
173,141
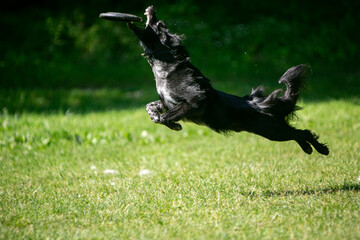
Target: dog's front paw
x,y
149,11
151,15
155,117
152,110
174,126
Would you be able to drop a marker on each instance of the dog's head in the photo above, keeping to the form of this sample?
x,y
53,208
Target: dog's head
x,y
158,41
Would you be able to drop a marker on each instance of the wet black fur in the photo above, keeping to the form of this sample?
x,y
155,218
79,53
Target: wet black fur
x,y
186,94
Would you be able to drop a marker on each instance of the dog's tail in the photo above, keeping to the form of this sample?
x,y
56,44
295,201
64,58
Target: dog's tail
x,y
284,106
294,79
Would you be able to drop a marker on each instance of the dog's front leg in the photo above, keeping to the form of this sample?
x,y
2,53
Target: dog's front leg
x,y
154,109
180,111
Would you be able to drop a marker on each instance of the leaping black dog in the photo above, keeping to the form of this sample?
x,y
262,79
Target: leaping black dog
x,y
186,94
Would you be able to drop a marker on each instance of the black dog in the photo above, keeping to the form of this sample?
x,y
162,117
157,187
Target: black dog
x,y
186,94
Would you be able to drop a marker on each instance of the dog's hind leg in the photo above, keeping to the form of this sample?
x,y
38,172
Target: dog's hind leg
x,y
305,146
154,109
286,133
312,138
275,131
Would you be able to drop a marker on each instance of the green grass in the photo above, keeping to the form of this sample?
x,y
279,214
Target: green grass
x,y
202,185
56,144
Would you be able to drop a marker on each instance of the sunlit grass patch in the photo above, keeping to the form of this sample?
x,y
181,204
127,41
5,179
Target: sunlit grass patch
x,y
115,174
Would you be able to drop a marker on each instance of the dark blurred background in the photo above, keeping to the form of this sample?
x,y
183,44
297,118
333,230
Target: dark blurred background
x,y
51,45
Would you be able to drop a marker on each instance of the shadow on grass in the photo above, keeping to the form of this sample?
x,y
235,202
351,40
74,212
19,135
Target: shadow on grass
x,y
353,187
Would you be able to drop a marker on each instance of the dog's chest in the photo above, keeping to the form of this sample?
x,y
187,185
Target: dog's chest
x,y
161,70
161,73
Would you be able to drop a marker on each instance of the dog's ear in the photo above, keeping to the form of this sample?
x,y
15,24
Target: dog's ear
x,y
167,38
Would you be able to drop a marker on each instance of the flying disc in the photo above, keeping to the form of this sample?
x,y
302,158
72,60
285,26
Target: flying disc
x,y
122,17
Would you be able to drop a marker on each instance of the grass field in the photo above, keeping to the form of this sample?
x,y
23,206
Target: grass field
x,y
55,181
80,158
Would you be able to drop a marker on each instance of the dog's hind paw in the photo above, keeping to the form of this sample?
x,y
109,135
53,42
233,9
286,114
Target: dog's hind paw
x,y
322,149
305,146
